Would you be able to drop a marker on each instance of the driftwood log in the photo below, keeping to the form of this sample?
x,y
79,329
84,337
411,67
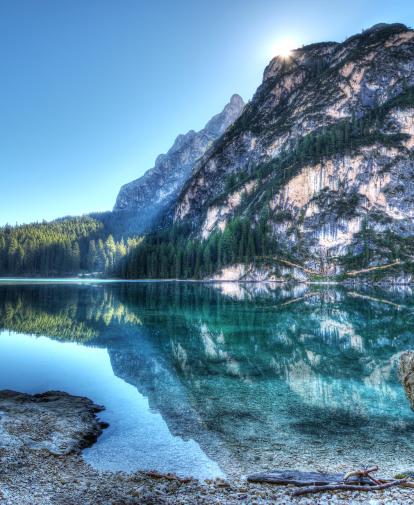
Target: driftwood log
x,y
317,482
298,478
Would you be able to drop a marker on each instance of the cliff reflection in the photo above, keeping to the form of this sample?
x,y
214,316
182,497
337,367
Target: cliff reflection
x,y
246,370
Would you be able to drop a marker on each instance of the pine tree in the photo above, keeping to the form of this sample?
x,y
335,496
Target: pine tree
x,y
92,257
75,257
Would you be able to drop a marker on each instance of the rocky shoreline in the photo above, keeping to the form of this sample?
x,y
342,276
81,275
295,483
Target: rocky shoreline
x,y
41,442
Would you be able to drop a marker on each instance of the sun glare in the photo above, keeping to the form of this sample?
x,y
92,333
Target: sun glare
x,y
283,48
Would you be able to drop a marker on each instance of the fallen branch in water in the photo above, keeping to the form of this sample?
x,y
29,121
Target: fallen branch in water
x,y
347,487
408,484
298,299
295,478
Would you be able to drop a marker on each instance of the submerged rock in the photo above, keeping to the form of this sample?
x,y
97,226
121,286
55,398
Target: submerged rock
x,y
406,373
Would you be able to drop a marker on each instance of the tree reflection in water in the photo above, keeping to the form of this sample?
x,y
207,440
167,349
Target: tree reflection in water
x,y
257,374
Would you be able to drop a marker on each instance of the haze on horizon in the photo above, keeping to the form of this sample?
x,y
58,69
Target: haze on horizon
x,y
94,90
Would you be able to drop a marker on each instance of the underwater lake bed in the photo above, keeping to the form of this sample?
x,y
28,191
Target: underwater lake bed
x,y
219,379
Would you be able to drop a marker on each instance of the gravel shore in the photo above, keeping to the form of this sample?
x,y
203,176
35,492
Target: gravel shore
x,y
41,440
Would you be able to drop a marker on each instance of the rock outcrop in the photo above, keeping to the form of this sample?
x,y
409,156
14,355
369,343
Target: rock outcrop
x,y
54,421
250,273
406,373
146,198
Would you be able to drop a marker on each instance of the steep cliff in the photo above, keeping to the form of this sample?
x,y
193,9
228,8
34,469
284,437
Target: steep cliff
x,y
322,158
147,197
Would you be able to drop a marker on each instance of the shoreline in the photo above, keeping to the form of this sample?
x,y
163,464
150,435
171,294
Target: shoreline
x,y
103,280
41,441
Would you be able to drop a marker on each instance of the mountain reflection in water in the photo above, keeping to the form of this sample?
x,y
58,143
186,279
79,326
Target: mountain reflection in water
x,y
258,375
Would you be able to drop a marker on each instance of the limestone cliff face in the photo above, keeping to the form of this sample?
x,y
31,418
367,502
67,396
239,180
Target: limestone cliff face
x,y
147,197
354,96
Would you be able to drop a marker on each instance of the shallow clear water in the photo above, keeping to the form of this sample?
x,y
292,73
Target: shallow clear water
x,y
219,379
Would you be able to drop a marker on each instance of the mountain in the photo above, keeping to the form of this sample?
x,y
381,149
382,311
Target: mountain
x,y
313,178
146,198
321,160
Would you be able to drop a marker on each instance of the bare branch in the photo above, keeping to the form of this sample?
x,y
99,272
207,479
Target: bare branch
x,y
361,473
347,487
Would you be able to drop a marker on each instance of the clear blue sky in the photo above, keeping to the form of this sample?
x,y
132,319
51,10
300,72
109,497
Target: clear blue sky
x,y
91,91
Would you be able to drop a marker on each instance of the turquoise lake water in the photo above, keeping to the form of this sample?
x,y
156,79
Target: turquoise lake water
x,y
219,379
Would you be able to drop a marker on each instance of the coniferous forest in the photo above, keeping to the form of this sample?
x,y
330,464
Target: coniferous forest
x,y
61,247
170,254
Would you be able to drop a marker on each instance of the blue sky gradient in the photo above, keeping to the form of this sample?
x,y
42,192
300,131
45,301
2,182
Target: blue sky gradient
x,y
91,91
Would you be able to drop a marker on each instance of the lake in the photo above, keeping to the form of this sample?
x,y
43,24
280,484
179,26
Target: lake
x,y
219,379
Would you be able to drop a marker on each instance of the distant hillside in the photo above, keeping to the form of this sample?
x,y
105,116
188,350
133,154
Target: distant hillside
x,y
66,246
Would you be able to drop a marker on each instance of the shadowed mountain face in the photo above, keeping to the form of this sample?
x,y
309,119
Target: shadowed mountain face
x,y
144,199
250,372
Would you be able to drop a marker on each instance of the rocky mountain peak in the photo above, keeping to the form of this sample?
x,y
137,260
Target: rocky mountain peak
x,y
147,197
236,101
181,140
220,122
384,27
331,52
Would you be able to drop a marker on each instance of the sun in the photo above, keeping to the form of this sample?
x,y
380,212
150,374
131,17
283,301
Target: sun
x,y
283,48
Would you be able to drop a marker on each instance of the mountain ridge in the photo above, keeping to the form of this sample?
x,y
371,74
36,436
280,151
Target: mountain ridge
x,y
149,195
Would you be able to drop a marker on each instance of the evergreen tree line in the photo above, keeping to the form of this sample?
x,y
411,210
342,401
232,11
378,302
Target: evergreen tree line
x,y
61,247
169,254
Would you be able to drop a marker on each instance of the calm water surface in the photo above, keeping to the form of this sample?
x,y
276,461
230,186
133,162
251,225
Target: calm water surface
x,y
219,379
